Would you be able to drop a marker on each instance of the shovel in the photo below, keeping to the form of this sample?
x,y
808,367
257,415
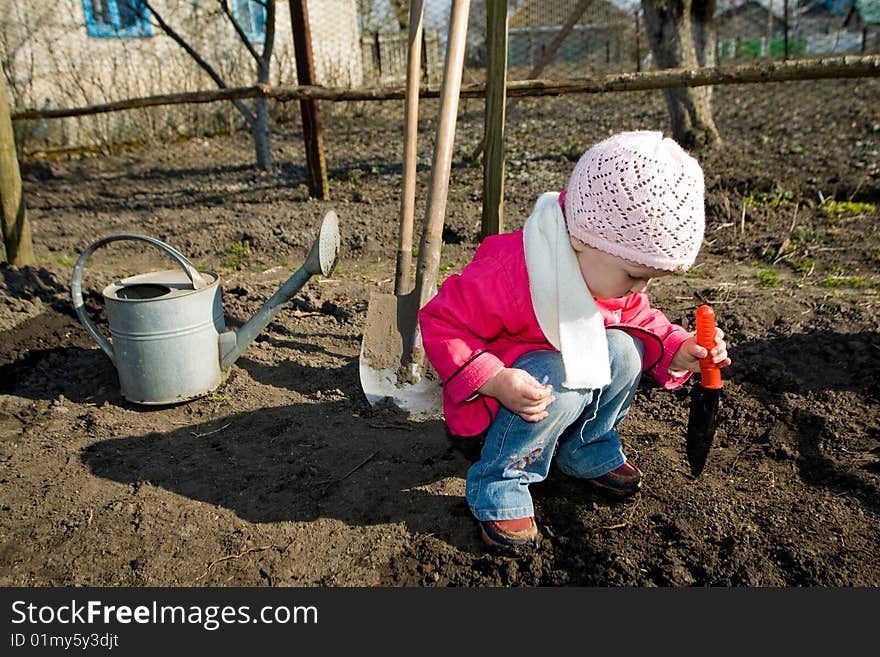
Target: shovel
x,y
392,361
705,397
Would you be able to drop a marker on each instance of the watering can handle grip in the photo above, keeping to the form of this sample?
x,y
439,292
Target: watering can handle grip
x,y
76,281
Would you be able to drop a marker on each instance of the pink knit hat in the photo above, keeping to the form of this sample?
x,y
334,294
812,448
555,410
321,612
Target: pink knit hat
x,y
638,196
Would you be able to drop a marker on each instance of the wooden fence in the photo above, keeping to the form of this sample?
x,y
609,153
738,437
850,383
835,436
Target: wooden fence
x,y
846,66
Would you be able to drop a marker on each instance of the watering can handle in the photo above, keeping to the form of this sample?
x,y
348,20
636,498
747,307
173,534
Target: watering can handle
x,y
76,281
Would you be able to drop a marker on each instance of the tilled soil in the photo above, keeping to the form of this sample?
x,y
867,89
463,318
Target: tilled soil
x,y
285,475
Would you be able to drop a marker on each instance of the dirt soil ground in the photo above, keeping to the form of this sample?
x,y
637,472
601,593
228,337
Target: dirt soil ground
x,y
286,476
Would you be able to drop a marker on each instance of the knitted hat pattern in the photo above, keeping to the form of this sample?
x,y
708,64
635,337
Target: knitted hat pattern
x,y
638,196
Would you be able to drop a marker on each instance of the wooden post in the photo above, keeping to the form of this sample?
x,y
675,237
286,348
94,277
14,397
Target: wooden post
x,y
546,56
496,100
16,229
316,165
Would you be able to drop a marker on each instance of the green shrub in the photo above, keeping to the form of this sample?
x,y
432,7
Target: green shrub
x,y
775,198
834,209
767,278
235,254
835,280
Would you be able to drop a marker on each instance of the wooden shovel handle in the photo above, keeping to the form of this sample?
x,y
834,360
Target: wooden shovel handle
x,y
402,283
428,262
710,373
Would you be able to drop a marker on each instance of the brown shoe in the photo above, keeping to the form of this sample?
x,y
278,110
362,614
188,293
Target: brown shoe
x,y
621,482
505,534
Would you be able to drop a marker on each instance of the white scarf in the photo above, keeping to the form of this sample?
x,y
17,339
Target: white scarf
x,y
563,304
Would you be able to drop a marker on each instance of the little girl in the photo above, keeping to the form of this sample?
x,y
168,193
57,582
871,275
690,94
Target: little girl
x,y
542,339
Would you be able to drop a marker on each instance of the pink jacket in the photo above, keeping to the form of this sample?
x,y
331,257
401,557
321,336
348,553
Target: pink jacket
x,y
482,320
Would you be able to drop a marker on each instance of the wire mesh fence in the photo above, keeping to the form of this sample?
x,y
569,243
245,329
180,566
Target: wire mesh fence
x,y
574,39
59,54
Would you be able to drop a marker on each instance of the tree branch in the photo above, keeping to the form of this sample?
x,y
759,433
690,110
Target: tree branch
x,y
204,65
224,5
269,41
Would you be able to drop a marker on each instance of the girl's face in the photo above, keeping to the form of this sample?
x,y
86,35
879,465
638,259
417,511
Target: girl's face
x,y
610,277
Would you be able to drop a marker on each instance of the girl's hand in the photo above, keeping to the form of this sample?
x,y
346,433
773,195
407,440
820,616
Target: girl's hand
x,y
520,393
689,354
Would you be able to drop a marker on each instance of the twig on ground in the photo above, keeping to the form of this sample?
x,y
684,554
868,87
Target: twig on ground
x,y
712,302
210,433
780,252
231,557
358,466
390,425
330,482
619,525
629,517
740,453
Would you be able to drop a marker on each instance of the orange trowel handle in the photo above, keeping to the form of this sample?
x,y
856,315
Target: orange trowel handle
x,y
710,373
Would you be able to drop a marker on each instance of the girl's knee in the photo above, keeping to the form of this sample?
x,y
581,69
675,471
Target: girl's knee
x,y
569,404
626,354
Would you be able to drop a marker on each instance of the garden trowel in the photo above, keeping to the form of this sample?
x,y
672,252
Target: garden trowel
x,y
705,396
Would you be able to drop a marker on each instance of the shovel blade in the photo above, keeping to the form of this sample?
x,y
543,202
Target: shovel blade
x,y
702,422
384,372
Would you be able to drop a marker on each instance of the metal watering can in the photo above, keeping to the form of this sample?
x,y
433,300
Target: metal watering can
x,y
169,338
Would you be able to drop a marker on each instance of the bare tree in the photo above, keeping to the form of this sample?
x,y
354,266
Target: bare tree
x,y
258,117
682,35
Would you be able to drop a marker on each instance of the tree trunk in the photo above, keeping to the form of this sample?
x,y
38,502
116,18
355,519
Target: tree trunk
x,y
675,29
705,38
259,125
16,229
261,135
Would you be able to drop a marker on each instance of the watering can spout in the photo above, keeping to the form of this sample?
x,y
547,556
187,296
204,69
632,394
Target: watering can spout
x,y
321,259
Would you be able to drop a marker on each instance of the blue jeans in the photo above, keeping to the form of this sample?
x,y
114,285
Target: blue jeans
x,y
580,428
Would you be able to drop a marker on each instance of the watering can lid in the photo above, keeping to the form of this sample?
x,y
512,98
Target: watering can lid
x,y
176,281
